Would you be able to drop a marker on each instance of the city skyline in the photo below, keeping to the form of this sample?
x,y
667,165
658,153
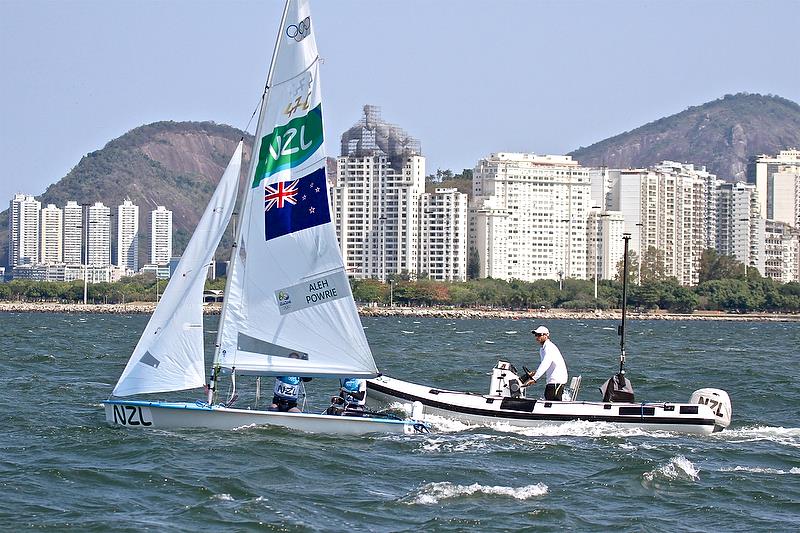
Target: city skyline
x,y
565,74
84,234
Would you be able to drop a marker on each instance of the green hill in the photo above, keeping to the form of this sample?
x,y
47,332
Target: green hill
x,y
174,164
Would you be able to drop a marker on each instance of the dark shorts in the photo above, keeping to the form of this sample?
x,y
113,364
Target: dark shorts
x,y
553,391
283,404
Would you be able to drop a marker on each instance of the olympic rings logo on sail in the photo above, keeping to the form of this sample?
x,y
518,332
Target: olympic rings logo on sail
x,y
299,31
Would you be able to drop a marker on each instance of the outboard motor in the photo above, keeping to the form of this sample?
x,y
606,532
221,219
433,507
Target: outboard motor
x,y
504,381
719,402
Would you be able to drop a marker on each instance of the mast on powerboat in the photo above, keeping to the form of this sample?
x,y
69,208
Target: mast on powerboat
x,y
618,388
621,330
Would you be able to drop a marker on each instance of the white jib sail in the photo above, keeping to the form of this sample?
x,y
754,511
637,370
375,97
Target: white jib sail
x,y
289,309
170,355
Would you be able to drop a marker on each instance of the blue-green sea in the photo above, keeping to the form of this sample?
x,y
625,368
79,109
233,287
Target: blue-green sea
x,y
62,468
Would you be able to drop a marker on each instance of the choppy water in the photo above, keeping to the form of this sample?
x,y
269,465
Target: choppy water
x,y
62,467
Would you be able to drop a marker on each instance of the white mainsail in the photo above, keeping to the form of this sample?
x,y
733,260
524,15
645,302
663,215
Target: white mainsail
x,y
288,307
169,355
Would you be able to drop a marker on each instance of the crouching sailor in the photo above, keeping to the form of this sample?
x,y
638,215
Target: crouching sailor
x,y
352,397
285,394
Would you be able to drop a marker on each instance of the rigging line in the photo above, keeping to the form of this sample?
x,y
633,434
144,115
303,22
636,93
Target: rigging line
x,y
255,111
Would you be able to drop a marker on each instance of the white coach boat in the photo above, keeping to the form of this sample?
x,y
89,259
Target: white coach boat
x,y
708,410
288,308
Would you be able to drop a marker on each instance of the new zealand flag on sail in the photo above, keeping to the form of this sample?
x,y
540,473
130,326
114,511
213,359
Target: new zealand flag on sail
x,y
291,206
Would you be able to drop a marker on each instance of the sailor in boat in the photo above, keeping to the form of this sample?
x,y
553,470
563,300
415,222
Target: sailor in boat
x,y
551,365
286,394
351,399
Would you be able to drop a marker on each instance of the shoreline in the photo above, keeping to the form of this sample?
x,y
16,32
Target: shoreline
x,y
417,312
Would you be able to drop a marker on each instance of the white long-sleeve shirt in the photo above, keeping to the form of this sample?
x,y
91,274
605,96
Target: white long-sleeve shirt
x,y
552,363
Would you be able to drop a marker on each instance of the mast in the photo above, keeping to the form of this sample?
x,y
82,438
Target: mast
x,y
254,153
626,237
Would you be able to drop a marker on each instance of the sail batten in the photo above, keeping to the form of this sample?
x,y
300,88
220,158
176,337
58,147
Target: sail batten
x,y
288,287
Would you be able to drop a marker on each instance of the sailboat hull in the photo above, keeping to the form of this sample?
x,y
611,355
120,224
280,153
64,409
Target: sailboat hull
x,y
526,412
175,415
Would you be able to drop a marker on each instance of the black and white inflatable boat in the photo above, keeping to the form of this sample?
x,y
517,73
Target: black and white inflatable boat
x,y
707,411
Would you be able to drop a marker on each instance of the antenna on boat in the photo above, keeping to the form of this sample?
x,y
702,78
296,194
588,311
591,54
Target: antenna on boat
x,y
618,388
626,237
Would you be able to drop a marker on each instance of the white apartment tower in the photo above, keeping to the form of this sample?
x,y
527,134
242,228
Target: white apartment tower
x,y
160,235
737,216
443,235
97,230
667,208
779,252
23,230
128,236
51,235
777,181
72,231
604,231
380,178
528,216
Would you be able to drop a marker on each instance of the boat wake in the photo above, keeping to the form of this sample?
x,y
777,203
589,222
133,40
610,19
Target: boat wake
x,y
762,470
577,428
472,443
432,493
780,435
677,469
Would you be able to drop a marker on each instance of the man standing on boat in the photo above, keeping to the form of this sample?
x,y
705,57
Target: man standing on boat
x,y
552,365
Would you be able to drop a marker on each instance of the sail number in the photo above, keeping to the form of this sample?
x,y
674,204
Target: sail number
x,y
132,415
715,405
284,147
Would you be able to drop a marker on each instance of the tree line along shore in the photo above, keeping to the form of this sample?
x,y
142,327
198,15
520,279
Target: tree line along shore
x,y
419,312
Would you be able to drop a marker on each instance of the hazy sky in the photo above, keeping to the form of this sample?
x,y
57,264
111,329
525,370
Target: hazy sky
x,y
464,77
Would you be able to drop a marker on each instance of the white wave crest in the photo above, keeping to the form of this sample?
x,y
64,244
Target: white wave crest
x,y
678,468
780,435
578,428
431,493
440,424
469,444
224,497
761,470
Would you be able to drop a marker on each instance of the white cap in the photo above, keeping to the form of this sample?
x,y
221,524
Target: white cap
x,y
541,329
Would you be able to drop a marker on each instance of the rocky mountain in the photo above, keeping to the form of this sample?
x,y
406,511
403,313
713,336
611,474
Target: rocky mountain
x,y
721,135
178,164
174,164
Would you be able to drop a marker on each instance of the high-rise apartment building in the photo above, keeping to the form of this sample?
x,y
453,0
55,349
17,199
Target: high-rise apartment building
x,y
128,236
97,231
737,216
380,178
443,235
667,208
777,181
604,231
160,235
779,251
528,216
72,231
23,230
51,235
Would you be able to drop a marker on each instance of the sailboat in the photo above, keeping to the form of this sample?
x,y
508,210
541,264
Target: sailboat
x,y
707,411
288,309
